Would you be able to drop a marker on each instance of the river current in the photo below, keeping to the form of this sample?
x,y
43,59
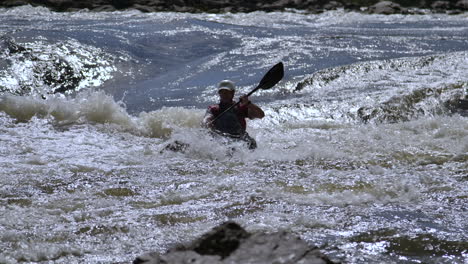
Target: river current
x,y
362,152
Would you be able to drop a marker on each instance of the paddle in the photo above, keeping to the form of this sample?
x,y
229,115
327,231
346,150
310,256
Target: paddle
x,y
271,78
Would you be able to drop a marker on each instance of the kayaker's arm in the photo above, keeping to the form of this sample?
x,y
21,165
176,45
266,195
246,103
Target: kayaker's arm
x,y
253,111
207,121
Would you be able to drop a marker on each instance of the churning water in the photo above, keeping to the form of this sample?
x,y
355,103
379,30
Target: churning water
x,y
362,151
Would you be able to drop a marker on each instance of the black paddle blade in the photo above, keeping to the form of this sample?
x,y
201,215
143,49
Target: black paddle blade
x,y
272,77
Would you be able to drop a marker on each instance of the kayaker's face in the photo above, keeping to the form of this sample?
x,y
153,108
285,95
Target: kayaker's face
x,y
226,96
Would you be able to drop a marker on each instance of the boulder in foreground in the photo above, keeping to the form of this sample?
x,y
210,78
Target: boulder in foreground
x,y
230,243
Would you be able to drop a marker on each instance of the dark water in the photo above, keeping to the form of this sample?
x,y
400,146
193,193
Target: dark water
x,y
361,153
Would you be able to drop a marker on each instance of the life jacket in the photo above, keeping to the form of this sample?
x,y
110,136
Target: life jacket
x,y
232,122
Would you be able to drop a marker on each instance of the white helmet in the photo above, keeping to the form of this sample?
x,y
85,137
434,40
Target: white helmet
x,y
226,85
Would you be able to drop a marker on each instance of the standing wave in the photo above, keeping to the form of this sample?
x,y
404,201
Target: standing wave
x,y
97,107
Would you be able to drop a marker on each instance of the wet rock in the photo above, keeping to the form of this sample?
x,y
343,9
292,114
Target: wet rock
x,y
60,5
352,6
230,243
463,104
420,102
440,6
387,8
332,5
183,9
462,5
104,8
277,5
7,43
144,9
48,69
121,4
13,3
217,6
280,247
63,74
221,240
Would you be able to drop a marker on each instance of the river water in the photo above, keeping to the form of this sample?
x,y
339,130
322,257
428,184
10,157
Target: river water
x,y
362,151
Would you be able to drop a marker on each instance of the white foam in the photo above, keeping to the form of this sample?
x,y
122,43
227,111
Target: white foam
x,y
98,107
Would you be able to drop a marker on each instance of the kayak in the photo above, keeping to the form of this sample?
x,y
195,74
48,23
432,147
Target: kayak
x,y
245,137
225,138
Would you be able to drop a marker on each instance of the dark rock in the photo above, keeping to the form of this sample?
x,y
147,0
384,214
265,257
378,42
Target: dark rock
x,y
221,240
9,44
352,7
230,243
53,71
462,4
454,12
145,9
280,247
73,9
463,104
332,5
94,4
13,3
61,73
387,8
440,6
104,8
228,9
62,5
216,6
184,9
121,4
409,106
278,5
149,258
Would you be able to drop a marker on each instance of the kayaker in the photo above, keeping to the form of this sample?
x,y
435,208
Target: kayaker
x,y
232,123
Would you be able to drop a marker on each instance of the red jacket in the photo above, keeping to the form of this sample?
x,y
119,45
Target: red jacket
x,y
241,113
